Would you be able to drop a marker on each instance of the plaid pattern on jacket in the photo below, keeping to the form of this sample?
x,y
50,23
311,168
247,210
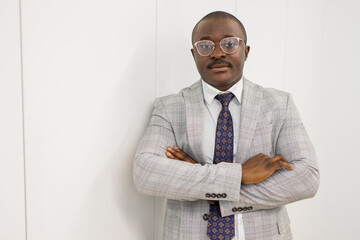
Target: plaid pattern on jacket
x,y
269,124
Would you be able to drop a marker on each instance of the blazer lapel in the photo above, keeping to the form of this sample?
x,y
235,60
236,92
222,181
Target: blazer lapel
x,y
250,109
194,104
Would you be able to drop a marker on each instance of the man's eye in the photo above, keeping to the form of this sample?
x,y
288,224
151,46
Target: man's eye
x,y
205,46
229,44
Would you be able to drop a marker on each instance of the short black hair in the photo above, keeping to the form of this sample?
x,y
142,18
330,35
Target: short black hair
x,y
220,15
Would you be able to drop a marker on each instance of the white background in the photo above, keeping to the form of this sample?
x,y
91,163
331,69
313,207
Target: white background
x,y
77,83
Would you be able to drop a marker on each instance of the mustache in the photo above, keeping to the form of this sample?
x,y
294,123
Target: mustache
x,y
220,61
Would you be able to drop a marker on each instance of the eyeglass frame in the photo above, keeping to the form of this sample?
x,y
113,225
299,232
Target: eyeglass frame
x,y
237,38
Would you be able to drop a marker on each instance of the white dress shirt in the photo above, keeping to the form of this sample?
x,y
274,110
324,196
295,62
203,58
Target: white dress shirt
x,y
213,108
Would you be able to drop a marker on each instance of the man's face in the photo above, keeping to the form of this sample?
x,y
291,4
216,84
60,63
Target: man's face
x,y
220,70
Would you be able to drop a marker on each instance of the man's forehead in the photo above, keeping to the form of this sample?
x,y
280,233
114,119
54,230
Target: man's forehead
x,y
222,27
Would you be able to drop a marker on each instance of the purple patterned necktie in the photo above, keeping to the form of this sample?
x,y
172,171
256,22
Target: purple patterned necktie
x,y
219,227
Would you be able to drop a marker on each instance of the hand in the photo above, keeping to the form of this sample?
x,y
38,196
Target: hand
x,y
177,154
261,166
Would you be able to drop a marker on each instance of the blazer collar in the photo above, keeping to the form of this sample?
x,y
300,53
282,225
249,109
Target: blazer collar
x,y
250,109
195,107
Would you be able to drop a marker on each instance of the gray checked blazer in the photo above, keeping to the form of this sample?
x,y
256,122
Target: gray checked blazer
x,y
269,124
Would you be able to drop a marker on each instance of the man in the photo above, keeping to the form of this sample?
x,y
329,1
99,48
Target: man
x,y
226,153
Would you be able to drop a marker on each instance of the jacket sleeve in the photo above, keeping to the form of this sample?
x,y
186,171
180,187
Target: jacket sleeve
x,y
154,174
284,186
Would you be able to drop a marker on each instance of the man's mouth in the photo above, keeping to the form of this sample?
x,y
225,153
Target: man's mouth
x,y
219,68
219,65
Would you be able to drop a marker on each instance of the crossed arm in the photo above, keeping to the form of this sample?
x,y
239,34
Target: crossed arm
x,y
269,182
254,170
261,182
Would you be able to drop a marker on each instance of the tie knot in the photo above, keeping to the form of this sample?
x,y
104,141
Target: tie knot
x,y
225,98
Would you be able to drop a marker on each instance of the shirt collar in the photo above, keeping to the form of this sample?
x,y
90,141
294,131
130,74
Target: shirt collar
x,y
210,92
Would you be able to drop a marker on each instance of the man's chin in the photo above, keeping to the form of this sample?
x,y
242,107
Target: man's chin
x,y
221,78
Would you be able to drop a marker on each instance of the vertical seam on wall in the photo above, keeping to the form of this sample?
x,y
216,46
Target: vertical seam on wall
x,y
23,118
155,75
285,44
156,33
236,13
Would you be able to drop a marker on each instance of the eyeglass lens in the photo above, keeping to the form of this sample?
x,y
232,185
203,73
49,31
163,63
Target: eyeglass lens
x,y
227,45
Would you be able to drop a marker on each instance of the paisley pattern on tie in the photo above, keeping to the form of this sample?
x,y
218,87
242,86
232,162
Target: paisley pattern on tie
x,y
219,227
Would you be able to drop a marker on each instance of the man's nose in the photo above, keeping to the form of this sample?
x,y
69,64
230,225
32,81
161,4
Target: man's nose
x,y
218,53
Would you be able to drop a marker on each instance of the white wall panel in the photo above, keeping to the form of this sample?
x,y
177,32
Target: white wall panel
x,y
175,67
302,78
88,85
265,23
12,201
337,116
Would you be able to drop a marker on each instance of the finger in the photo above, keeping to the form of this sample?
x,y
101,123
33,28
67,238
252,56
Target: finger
x,y
190,160
282,157
180,154
177,152
281,164
276,163
278,158
286,165
171,150
169,155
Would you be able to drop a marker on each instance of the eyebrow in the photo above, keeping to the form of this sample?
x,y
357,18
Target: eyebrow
x,y
205,38
208,37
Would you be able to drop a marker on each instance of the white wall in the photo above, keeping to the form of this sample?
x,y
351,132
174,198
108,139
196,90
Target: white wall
x,y
83,63
12,202
90,72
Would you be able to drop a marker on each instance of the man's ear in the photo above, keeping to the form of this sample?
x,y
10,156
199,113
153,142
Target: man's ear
x,y
192,52
247,50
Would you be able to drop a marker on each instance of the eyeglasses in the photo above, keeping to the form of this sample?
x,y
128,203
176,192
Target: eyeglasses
x,y
228,45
